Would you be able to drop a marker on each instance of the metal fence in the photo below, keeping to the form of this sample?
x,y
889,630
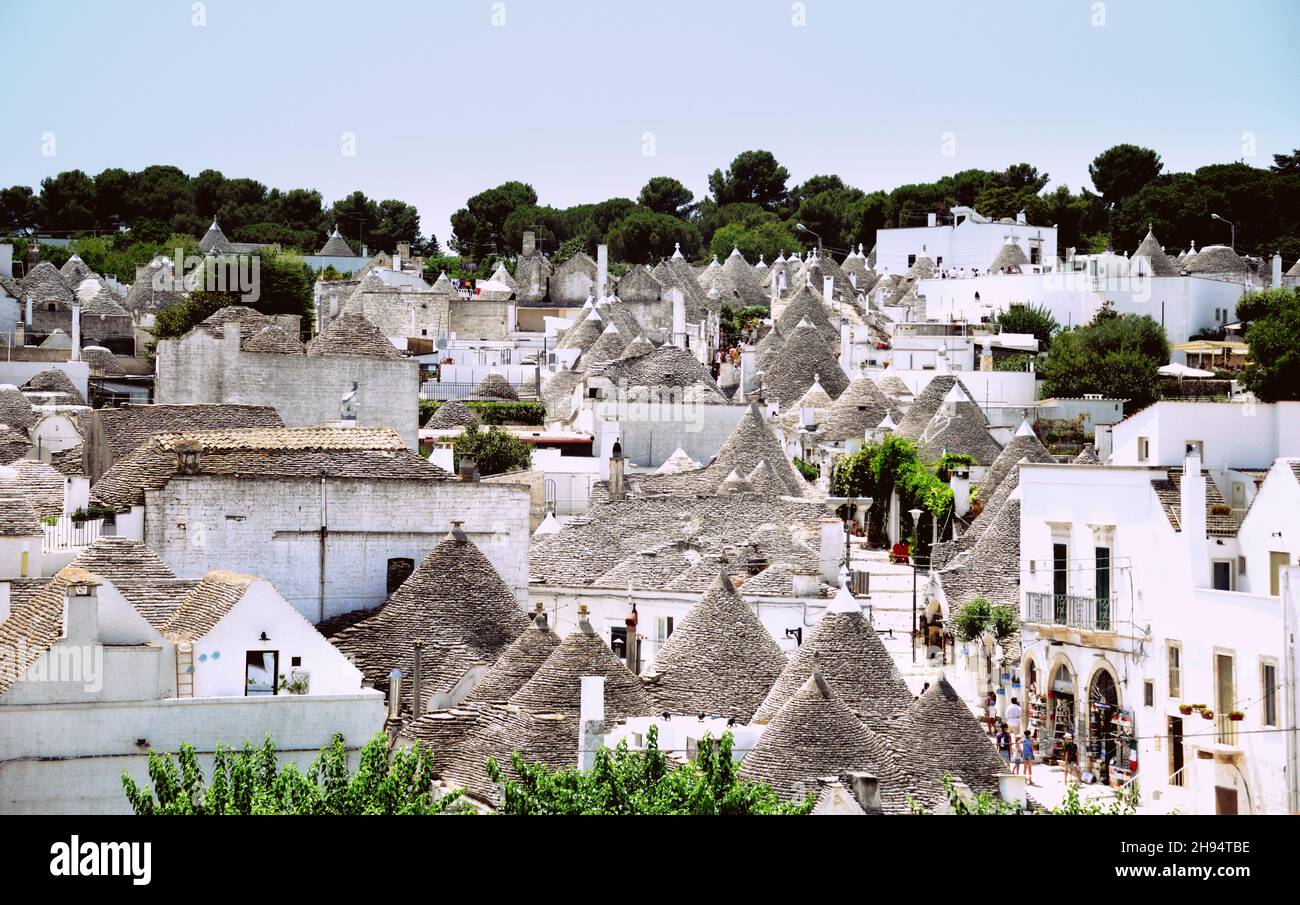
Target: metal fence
x,y
1072,610
67,534
444,391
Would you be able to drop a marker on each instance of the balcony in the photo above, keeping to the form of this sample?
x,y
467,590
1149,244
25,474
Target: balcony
x,y
1071,610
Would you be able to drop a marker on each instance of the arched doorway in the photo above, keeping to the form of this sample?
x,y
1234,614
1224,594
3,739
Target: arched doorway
x,y
1061,710
1103,731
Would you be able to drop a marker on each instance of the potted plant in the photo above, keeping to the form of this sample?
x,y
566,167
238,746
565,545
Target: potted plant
x,y
1185,709
1236,716
1207,713
1198,707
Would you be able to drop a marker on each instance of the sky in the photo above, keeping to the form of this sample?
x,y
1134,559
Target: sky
x,y
587,100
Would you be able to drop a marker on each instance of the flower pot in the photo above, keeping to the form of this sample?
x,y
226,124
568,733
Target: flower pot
x,y
1236,717
1207,714
1185,709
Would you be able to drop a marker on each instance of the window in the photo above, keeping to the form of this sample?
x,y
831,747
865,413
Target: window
x,y
1268,692
1276,563
1149,693
911,259
1102,587
1222,574
1174,654
261,669
295,661
1060,581
1144,449
399,569
663,628
1225,697
1035,254
1194,448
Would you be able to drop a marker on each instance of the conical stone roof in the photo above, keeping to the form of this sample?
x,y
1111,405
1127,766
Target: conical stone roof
x,y
815,734
861,407
944,736
451,415
852,657
1161,264
959,426
720,659
517,664
495,386
1024,445
556,686
790,370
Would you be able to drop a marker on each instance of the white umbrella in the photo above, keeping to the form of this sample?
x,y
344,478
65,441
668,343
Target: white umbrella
x,y
1177,370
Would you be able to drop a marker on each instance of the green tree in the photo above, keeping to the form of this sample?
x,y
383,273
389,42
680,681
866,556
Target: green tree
x,y
665,195
1035,319
754,176
494,451
644,237
759,235
478,226
625,782
18,207
251,781
1120,171
1273,373
67,202
1117,355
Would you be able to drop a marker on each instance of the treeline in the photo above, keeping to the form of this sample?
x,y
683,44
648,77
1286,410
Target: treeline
x,y
751,205
152,204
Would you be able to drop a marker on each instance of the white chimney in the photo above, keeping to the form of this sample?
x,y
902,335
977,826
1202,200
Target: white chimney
x,y
832,549
828,288
394,693
28,319
81,614
678,301
959,481
592,716
76,329
616,488
846,345
602,271
931,219
1277,270
1192,519
748,365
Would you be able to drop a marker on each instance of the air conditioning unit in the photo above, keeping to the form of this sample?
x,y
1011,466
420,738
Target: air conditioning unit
x,y
860,583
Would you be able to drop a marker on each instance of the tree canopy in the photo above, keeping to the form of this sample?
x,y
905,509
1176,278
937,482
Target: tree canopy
x,y
625,782
1274,338
1117,355
494,451
251,781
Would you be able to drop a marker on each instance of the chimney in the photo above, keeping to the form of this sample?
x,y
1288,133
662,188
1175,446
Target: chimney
x,y
539,615
1277,270
394,693
677,299
1192,519
33,255
81,612
864,786
748,365
1011,788
828,289
27,319
592,716
468,470
417,682
365,252
832,549
602,271
846,345
617,491
959,481
188,453
530,242
633,643
76,329
404,250
806,584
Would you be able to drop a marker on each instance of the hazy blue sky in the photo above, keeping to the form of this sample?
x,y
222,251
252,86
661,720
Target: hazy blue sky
x,y
444,103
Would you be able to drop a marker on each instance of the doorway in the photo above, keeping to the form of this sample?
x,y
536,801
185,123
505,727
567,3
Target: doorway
x,y
261,670
1176,777
1225,801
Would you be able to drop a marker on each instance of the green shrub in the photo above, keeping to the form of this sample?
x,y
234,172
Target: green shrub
x,y
532,414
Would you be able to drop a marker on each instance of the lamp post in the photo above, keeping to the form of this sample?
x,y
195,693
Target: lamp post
x,y
848,502
803,229
916,522
1231,224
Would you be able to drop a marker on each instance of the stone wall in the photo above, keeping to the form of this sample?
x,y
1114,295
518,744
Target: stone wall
x,y
271,528
304,389
474,319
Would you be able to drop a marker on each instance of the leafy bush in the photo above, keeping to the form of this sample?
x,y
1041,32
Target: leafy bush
x,y
982,804
489,412
624,782
1033,319
252,782
809,472
494,451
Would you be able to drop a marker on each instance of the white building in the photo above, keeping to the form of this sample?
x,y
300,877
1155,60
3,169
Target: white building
x,y
1150,590
969,244
114,656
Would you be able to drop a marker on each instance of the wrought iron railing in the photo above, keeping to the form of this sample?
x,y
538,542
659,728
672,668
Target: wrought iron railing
x,y
1073,610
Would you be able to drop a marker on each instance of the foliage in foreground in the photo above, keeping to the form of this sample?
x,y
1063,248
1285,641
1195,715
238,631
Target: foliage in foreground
x,y
1274,338
624,782
252,782
1123,803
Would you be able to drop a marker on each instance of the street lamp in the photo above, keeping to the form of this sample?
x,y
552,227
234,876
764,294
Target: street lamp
x,y
848,502
1230,223
916,530
803,229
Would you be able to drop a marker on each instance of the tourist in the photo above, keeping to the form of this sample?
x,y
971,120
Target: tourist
x,y
1013,714
1070,757
1027,756
1003,738
991,712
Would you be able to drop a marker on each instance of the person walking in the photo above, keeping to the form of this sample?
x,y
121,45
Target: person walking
x,y
991,713
1013,715
1026,757
1004,740
1070,757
